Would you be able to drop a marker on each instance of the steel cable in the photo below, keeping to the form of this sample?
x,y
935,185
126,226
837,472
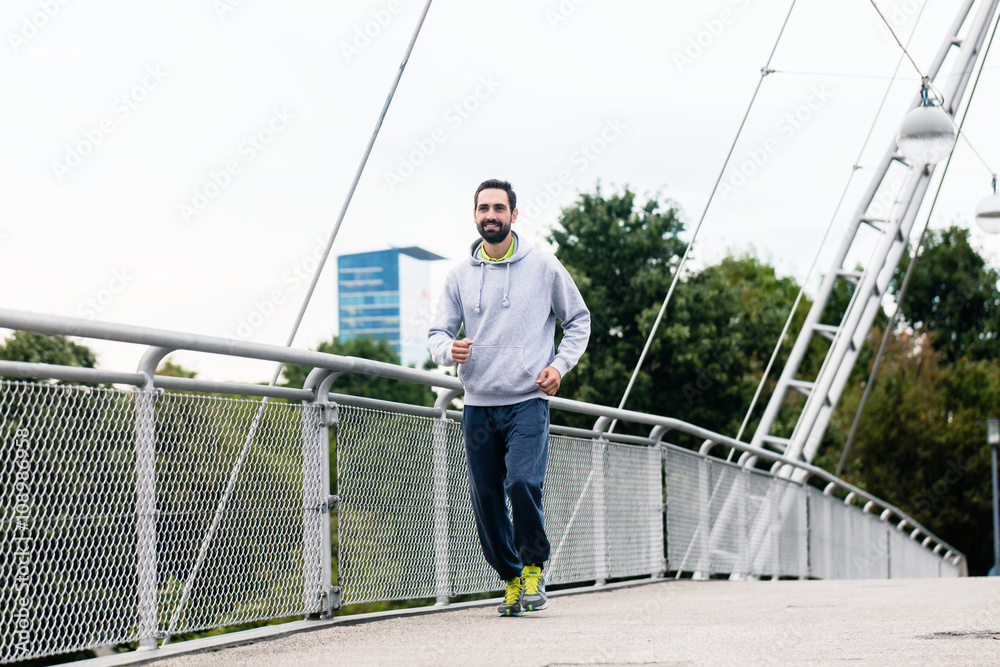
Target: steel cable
x,y
237,468
764,71
909,269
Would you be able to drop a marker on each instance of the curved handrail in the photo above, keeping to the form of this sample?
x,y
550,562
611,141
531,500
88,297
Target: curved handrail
x,y
173,340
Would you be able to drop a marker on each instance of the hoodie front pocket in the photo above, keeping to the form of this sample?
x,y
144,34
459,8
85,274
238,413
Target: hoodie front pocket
x,y
493,369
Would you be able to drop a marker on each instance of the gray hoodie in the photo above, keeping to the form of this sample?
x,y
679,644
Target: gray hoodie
x,y
509,309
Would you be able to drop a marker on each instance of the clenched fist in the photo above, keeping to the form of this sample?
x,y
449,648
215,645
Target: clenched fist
x,y
460,350
549,380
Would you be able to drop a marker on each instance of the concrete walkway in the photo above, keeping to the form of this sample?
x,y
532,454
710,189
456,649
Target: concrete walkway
x,y
896,622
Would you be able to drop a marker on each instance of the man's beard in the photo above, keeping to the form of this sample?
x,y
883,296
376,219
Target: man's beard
x,y
494,235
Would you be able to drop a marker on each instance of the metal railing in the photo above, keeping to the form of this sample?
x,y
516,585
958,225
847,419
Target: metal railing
x,y
136,514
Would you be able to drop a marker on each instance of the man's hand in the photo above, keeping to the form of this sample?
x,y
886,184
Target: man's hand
x,y
549,380
460,350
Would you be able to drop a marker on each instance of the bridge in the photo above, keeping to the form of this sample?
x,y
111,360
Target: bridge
x,y
144,512
149,513
898,622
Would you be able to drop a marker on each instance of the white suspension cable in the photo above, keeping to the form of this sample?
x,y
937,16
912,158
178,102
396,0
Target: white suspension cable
x,y
973,148
890,328
251,434
829,228
893,33
764,71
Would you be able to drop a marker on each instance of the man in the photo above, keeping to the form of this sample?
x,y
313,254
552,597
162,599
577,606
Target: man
x,y
508,297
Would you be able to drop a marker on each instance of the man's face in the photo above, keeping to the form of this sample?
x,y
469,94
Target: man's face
x,y
493,215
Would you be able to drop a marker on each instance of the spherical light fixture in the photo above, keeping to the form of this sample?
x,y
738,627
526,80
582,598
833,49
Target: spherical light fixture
x,y
927,133
988,212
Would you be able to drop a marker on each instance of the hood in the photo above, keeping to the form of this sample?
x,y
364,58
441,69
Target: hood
x,y
522,249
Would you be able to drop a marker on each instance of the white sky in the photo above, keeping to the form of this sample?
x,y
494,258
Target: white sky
x,y
106,235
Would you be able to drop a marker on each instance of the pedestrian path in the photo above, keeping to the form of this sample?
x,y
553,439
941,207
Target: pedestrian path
x,y
877,622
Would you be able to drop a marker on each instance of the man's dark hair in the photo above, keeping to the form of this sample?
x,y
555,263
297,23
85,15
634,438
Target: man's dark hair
x,y
496,184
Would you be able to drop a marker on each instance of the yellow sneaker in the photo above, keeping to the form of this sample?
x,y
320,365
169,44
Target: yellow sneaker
x,y
534,598
512,598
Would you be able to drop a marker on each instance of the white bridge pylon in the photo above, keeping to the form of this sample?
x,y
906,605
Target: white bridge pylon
x,y
889,206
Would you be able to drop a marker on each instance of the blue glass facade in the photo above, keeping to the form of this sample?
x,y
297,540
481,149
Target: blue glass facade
x,y
369,294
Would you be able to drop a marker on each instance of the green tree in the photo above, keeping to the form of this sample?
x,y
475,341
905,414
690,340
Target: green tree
x,y
715,339
622,257
169,369
722,328
921,443
39,348
953,295
367,386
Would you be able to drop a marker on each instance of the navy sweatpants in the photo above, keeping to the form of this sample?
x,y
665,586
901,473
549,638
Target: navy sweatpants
x,y
506,450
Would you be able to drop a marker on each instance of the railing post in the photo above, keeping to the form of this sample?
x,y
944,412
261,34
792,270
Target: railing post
x,y
742,491
145,505
704,519
884,517
804,533
657,545
810,527
600,512
145,480
442,566
318,503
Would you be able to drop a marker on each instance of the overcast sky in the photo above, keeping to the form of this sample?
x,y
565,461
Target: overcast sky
x,y
180,163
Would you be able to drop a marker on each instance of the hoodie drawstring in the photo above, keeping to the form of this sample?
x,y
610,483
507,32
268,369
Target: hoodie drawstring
x,y
482,282
506,287
482,279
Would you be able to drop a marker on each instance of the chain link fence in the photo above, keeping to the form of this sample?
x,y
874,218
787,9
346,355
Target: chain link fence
x,y
137,516
723,518
391,527
105,541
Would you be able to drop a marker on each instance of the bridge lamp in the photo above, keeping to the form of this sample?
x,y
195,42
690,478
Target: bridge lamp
x,y
988,211
927,134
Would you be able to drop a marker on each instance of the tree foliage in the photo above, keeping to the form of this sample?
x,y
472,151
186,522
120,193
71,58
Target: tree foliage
x,y
921,443
367,386
168,369
621,257
715,339
953,297
36,348
722,330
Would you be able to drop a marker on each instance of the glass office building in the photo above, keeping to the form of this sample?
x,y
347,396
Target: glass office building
x,y
386,295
